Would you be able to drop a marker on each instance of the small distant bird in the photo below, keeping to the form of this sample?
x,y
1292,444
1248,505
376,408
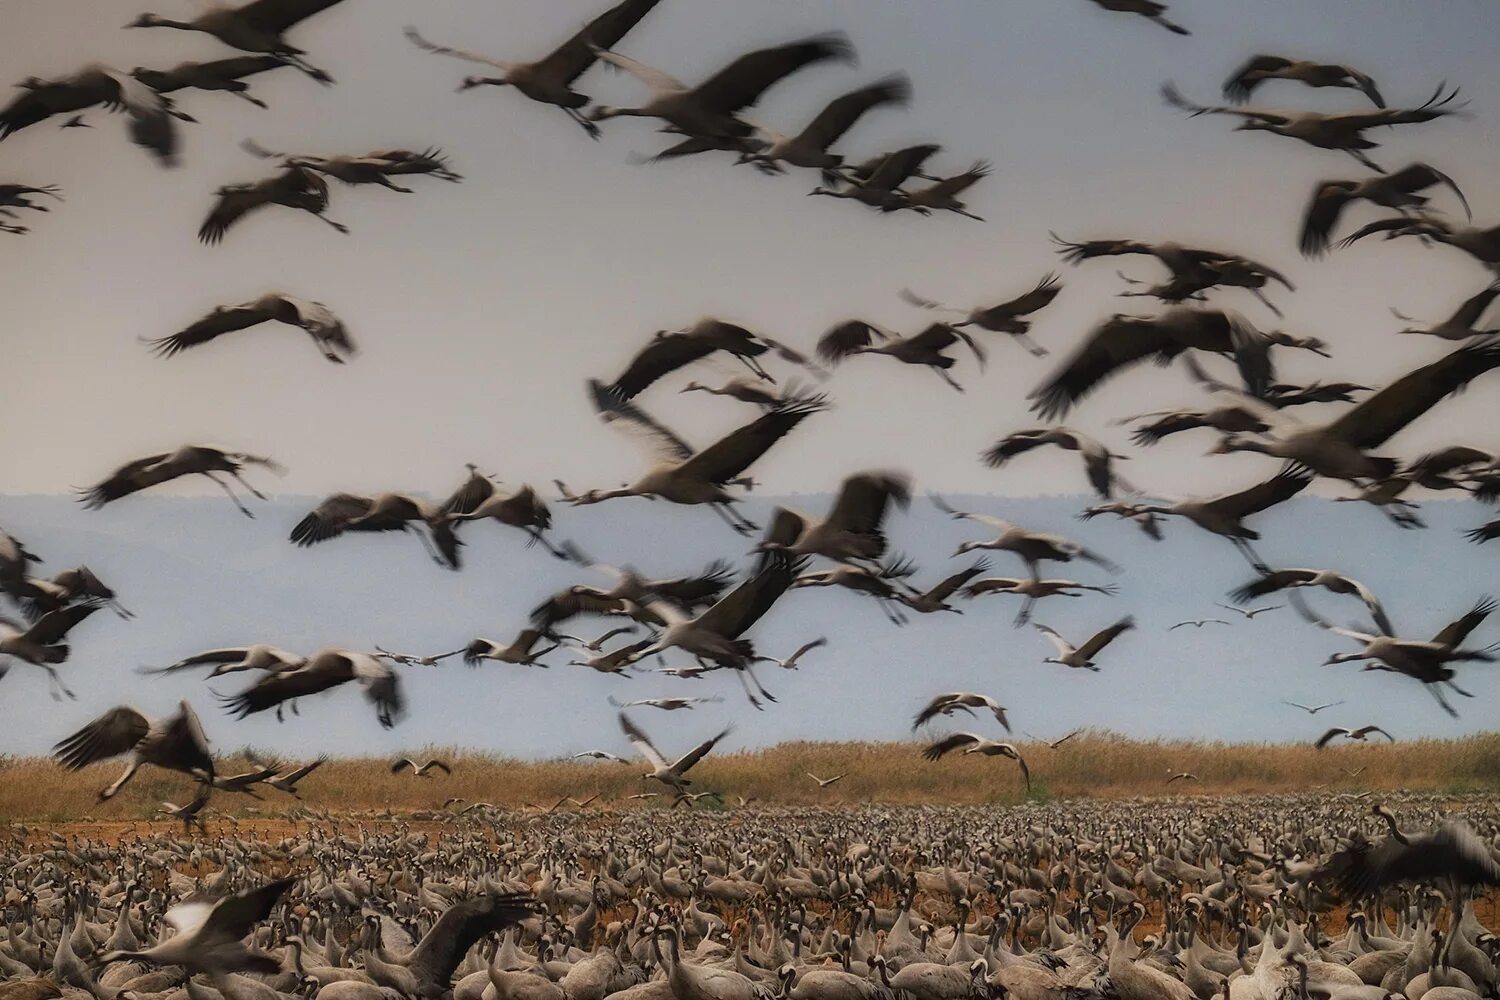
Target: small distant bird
x,y
1398,190
1260,68
1361,734
1008,317
1181,776
644,795
1354,773
825,782
210,935
691,799
327,331
602,755
294,187
420,770
1250,614
960,701
665,704
411,660
1312,709
287,781
1198,623
674,773
973,743
1082,657
1058,742
792,662
1098,461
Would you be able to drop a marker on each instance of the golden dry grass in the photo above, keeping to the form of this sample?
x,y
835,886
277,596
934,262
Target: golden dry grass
x,y
1093,764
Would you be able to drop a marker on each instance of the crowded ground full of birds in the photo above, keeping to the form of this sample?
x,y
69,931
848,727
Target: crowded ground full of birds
x,y
873,903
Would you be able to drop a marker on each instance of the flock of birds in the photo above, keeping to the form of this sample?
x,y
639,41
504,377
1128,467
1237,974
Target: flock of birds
x,y
1037,903
1274,898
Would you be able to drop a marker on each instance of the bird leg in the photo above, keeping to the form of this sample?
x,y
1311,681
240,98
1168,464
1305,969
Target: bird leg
x,y
55,684
432,552
754,701
241,479
245,96
943,374
109,792
589,127
295,60
1037,350
749,669
386,182
1362,158
225,487
1256,562
755,368
1265,301
891,614
336,225
1437,693
1024,615
1458,689
538,539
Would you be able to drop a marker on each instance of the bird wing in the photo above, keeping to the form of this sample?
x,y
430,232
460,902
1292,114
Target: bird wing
x,y
276,16
54,625
1101,639
807,646
642,743
958,183
1240,84
934,708
273,689
1421,175
572,58
947,587
229,654
731,455
232,205
740,84
413,36
223,320
1012,445
1468,314
691,591
617,412
1109,348
303,771
685,763
460,927
1333,733
382,686
1322,213
1382,226
475,490
397,765
935,751
843,339
131,478
1062,645
664,355
315,317
1367,730
743,606
1022,305
115,732
330,518
864,499
1456,632
1174,98
234,916
1291,480
1381,415
842,112
654,79
896,168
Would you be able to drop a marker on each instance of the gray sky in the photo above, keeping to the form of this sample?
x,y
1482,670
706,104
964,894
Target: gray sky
x,y
481,307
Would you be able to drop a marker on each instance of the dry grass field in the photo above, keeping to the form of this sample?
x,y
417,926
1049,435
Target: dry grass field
x,y
1094,764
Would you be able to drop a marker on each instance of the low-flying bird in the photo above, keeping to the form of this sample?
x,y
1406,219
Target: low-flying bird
x,y
220,74
1151,10
1057,742
1463,323
152,118
942,196
326,330
286,781
877,183
345,512
1453,856
1361,734
1312,709
825,782
1194,270
189,460
1098,461
478,499
1399,190
671,774
669,351
522,652
1149,523
40,643
960,701
550,80
1009,317
810,147
413,660
323,671
1033,590
853,529
376,167
972,743
232,659
1181,776
794,661
1082,657
1033,547
1260,68
601,755
79,585
420,770
1343,131
925,348
1197,623
1225,515
1326,579
210,935
294,187
175,742
630,593
1480,242
596,645
258,26
1250,614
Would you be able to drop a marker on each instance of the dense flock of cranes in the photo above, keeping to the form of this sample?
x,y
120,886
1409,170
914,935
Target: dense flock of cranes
x,y
707,616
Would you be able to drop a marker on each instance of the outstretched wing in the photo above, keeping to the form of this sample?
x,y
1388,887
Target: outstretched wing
x,y
569,60
935,751
111,734
226,319
1456,632
685,763
1104,638
642,743
730,456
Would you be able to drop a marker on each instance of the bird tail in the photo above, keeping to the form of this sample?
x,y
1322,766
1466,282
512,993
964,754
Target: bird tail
x,y
55,654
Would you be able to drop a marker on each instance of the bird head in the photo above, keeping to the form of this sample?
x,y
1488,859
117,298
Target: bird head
x,y
1252,125
1228,443
820,189
693,387
603,112
146,21
470,82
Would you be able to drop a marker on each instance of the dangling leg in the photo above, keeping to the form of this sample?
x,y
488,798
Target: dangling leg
x,y
241,480
1362,158
1024,615
538,539
1437,693
727,516
748,693
336,225
758,686
225,487
245,96
943,374
432,553
386,182
1037,350
1265,301
589,127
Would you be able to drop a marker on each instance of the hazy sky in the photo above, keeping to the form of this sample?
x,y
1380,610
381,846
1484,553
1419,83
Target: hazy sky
x,y
481,307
